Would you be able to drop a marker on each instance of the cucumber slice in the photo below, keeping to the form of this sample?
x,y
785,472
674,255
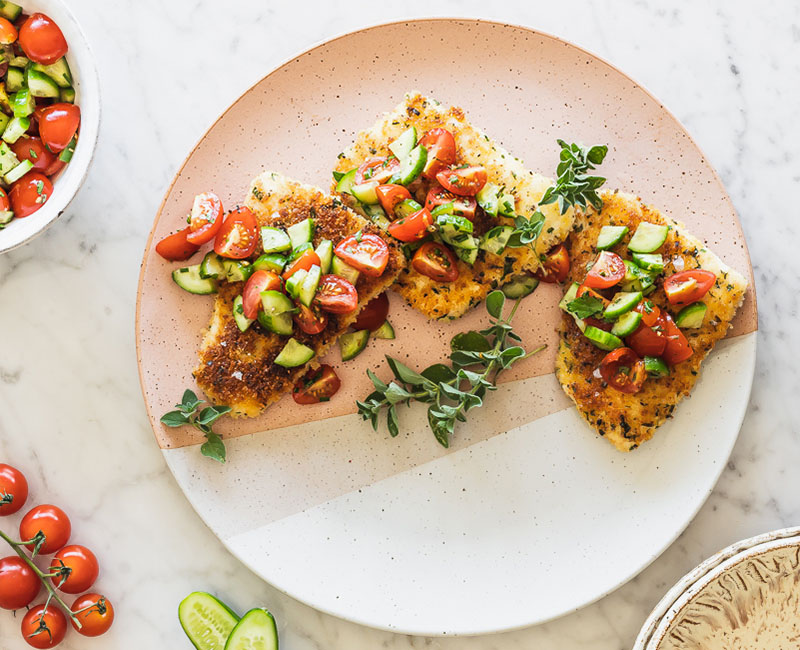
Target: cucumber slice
x,y
506,204
325,253
207,621
19,62
649,261
9,10
15,79
300,233
236,271
15,129
353,343
212,266
489,199
636,278
66,154
295,282
365,192
344,270
346,182
691,316
602,339
468,255
569,296
188,278
256,630
520,287
293,354
411,166
275,240
648,237
277,313
67,95
385,331
23,103
4,120
655,367
404,143
376,215
626,324
308,289
444,208
58,72
270,262
406,208
622,303
453,223
18,172
610,236
8,159
494,241
5,217
41,85
242,321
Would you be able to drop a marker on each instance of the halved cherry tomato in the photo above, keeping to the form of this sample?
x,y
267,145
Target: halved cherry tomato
x,y
44,629
5,204
33,149
251,294
677,348
30,193
310,319
650,311
19,585
555,267
54,167
95,614
441,147
48,522
649,341
623,370
413,227
390,196
8,33
176,247
206,218
307,259
462,205
376,169
58,124
238,236
77,569
583,290
317,386
436,261
686,287
13,490
336,295
608,270
42,40
374,314
464,181
367,253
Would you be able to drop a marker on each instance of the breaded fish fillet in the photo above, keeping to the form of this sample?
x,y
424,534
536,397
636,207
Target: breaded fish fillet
x,y
473,147
236,368
627,420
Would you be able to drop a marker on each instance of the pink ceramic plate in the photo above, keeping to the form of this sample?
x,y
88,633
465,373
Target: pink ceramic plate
x,y
529,515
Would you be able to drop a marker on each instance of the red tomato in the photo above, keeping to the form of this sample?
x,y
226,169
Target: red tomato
x,y
583,290
374,314
41,39
33,149
238,237
95,614
48,522
78,569
206,218
13,490
19,585
251,294
390,196
413,227
54,167
310,320
599,323
623,370
376,169
650,312
58,124
555,267
44,629
5,204
336,295
648,341
436,261
367,253
30,193
317,386
8,33
307,259
464,181
686,287
441,147
677,348
462,205
608,270
175,247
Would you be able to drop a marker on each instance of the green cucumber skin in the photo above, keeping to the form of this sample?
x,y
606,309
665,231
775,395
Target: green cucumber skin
x,y
622,303
626,324
648,238
211,601
655,367
610,236
259,623
691,316
385,331
602,339
294,354
353,343
520,287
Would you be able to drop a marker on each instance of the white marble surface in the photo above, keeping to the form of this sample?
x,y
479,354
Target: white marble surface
x,y
71,412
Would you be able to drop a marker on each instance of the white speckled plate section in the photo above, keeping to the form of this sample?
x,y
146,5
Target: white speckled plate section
x,y
510,531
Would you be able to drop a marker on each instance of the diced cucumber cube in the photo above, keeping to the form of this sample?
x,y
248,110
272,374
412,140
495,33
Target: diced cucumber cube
x,y
405,142
301,232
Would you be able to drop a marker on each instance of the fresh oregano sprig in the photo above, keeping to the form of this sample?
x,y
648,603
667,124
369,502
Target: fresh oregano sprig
x,y
476,360
186,413
574,186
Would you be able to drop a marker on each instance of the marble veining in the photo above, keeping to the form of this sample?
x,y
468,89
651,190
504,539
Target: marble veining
x,y
71,413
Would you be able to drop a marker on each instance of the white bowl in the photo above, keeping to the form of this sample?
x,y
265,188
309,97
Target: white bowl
x,y
87,87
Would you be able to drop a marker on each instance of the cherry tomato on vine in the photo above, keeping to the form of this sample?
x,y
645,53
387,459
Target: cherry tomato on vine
x,y
53,524
30,193
95,614
78,566
176,247
367,253
336,295
555,266
205,219
374,314
464,181
238,236
44,629
58,124
13,490
623,370
317,386
19,585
